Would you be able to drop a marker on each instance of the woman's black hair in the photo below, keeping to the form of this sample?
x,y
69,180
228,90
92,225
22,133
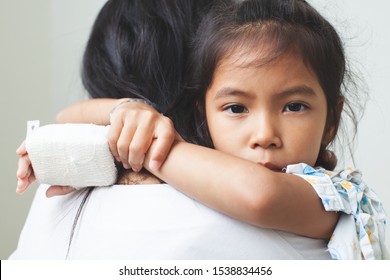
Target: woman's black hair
x,y
87,194
285,25
139,49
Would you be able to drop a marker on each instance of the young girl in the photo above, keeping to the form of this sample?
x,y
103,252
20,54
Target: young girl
x,y
268,78
266,93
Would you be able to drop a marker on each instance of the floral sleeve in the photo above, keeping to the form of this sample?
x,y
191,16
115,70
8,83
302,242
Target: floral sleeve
x,y
360,231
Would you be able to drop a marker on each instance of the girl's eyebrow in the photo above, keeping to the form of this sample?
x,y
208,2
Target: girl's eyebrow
x,y
229,91
301,89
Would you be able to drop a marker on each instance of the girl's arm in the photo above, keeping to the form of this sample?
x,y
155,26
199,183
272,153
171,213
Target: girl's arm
x,y
96,111
246,191
234,186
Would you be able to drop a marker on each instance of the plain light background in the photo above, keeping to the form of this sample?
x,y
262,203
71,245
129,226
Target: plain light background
x,y
41,45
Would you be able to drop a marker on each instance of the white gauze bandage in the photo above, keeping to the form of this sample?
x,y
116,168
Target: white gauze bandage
x,y
77,155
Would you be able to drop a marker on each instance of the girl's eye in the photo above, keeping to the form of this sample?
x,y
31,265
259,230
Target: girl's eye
x,y
236,109
295,107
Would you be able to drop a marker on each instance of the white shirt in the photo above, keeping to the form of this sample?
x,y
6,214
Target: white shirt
x,y
149,222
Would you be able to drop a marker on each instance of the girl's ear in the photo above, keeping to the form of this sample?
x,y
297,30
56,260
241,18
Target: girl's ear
x,y
332,123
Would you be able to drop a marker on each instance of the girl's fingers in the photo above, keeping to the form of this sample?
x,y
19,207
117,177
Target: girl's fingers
x,y
25,174
161,151
24,183
123,143
163,144
140,144
59,190
22,149
113,136
24,164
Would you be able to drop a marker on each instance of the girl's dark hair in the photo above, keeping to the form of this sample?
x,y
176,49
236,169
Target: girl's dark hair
x,y
285,25
138,48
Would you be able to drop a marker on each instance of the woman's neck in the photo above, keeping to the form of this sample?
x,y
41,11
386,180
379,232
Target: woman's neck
x,y
129,177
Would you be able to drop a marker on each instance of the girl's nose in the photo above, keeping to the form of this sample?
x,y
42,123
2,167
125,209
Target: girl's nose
x,y
265,134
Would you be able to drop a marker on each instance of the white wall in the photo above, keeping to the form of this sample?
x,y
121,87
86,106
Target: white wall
x,y
40,50
23,87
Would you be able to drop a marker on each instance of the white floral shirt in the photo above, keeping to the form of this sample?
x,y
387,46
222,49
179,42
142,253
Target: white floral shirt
x,y
360,231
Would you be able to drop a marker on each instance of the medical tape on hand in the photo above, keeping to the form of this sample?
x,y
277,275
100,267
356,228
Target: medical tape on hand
x,y
75,155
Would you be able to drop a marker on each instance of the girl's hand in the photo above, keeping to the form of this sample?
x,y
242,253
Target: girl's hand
x,y
24,174
134,126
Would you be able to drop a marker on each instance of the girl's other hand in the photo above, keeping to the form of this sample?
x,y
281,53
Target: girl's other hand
x,y
134,126
24,174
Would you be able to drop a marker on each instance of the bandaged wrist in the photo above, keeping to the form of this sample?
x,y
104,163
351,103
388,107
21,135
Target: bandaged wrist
x,y
131,100
77,155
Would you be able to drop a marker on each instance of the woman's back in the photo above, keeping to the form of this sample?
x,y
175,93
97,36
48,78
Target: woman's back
x,y
149,222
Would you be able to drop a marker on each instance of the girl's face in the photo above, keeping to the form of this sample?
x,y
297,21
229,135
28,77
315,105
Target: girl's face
x,y
274,115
